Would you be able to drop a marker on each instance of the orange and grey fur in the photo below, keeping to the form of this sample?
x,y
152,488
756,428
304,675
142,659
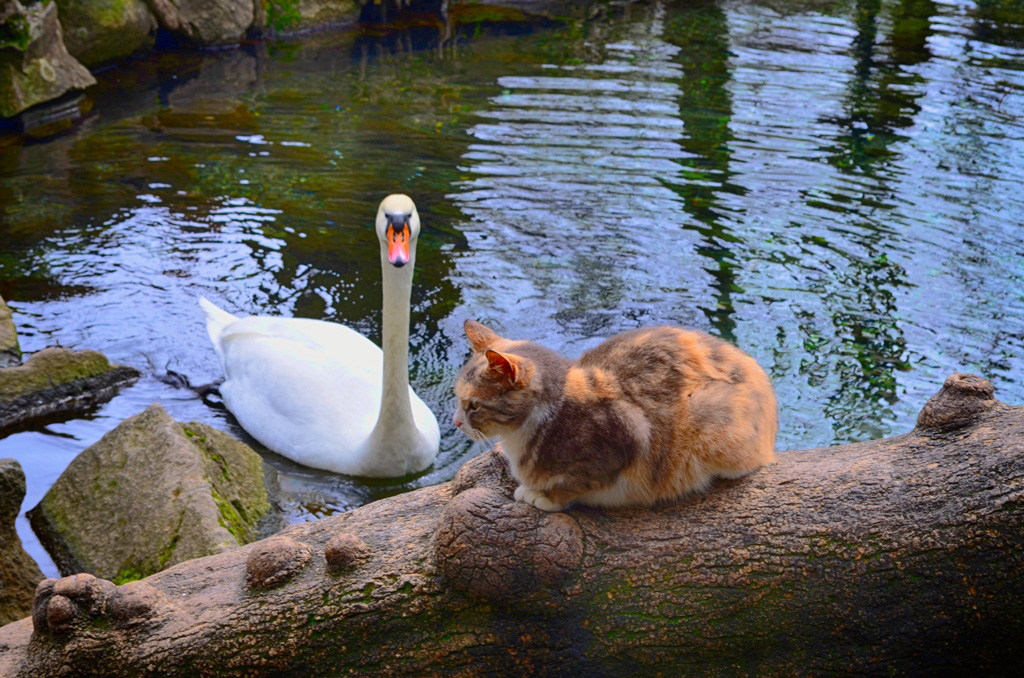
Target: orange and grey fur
x,y
645,417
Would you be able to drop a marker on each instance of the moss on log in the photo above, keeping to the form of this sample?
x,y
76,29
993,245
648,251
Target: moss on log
x,y
901,556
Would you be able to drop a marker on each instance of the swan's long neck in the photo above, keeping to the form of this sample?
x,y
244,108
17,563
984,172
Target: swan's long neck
x,y
395,433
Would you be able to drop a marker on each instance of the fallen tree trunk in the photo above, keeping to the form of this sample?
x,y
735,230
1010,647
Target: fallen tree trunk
x,y
901,555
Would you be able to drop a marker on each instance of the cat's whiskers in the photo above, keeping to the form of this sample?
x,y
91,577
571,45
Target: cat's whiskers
x,y
474,434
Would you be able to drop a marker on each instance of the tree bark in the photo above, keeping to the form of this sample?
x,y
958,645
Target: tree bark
x,y
901,556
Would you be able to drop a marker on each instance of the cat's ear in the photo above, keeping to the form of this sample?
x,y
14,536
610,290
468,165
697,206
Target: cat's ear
x,y
510,369
480,336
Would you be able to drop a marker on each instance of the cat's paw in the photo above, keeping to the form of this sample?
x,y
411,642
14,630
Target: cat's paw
x,y
536,498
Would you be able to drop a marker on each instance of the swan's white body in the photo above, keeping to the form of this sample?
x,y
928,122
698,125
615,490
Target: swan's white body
x,y
322,394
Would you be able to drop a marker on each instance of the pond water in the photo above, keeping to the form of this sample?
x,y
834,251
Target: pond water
x,y
834,186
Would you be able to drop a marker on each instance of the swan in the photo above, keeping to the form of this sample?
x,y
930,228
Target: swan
x,y
324,395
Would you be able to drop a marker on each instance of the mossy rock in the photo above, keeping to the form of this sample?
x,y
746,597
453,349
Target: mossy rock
x,y
102,31
10,351
58,380
35,67
150,494
19,574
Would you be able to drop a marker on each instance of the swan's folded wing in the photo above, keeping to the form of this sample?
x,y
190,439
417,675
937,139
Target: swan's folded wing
x,y
293,396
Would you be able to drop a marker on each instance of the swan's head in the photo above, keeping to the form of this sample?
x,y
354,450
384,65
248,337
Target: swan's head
x,y
398,226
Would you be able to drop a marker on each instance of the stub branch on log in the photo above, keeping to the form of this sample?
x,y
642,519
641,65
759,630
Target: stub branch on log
x,y
901,555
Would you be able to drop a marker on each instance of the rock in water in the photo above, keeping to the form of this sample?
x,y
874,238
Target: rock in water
x,y
34,64
150,494
10,352
57,381
206,22
102,32
19,574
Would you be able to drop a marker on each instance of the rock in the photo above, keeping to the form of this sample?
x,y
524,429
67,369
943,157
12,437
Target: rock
x,y
58,380
283,16
206,22
34,64
150,494
102,31
19,574
10,351
225,22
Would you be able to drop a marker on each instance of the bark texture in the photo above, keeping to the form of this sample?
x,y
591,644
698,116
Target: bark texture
x,y
900,556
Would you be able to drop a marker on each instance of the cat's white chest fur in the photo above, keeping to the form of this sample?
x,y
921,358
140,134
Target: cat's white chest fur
x,y
512,447
514,443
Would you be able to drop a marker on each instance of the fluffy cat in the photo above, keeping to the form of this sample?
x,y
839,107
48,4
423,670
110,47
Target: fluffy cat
x,y
647,416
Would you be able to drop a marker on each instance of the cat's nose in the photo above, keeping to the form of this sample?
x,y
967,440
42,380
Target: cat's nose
x,y
457,420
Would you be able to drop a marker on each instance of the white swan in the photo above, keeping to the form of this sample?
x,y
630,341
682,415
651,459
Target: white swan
x,y
324,395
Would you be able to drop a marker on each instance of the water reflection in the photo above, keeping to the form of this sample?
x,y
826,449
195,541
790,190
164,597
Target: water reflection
x,y
706,111
881,99
569,201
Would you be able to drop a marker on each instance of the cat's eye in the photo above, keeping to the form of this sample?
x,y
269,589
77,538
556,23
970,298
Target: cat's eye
x,y
473,405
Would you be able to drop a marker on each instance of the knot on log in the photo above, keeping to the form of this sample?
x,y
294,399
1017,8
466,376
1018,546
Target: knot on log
x,y
957,404
274,560
344,551
60,603
134,602
501,549
489,469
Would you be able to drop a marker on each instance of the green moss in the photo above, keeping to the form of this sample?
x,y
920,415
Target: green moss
x,y
15,33
283,14
235,473
206,447
168,552
49,368
128,573
230,519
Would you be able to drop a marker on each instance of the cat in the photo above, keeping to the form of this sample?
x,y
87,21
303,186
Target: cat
x,y
644,418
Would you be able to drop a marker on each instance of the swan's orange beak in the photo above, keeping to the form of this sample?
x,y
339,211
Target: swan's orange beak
x,y
398,245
